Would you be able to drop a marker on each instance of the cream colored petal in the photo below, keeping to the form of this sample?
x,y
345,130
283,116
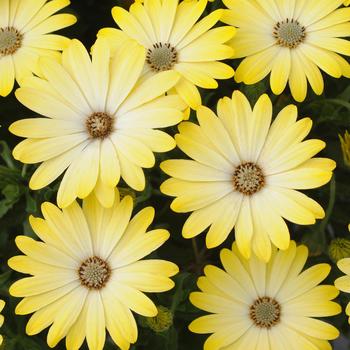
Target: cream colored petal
x,y
67,316
42,102
95,325
186,16
134,300
156,140
123,328
139,248
189,93
130,25
191,170
279,269
133,150
4,13
34,303
149,89
202,218
125,70
46,11
131,173
77,62
223,225
200,28
7,73
216,133
244,228
231,288
307,280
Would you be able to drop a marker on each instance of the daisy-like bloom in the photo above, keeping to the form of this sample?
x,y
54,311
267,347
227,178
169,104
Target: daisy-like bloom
x,y
271,306
175,41
2,305
343,283
25,35
86,273
292,39
244,174
100,121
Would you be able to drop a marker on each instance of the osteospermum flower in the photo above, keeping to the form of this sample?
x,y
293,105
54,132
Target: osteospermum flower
x,y
100,121
343,283
2,305
174,41
86,274
272,306
244,174
25,35
292,39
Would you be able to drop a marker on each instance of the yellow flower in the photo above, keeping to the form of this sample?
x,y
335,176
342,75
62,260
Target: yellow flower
x,y
86,274
2,304
244,174
100,121
25,28
271,306
174,41
343,283
345,147
291,39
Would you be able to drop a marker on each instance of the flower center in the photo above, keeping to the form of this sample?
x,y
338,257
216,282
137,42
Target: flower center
x,y
162,56
248,178
94,273
99,125
265,312
289,33
10,40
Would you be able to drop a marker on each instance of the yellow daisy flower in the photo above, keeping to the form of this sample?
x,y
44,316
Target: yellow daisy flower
x,y
343,283
272,306
2,305
100,121
86,273
291,39
174,40
244,174
25,28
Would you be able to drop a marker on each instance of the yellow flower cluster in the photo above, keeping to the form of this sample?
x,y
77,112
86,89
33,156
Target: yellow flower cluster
x,y
100,116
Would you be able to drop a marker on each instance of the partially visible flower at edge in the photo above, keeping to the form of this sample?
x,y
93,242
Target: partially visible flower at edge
x,y
343,283
292,40
25,35
254,305
2,305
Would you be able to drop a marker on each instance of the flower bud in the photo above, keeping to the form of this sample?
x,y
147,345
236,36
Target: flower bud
x,y
339,248
345,146
162,322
